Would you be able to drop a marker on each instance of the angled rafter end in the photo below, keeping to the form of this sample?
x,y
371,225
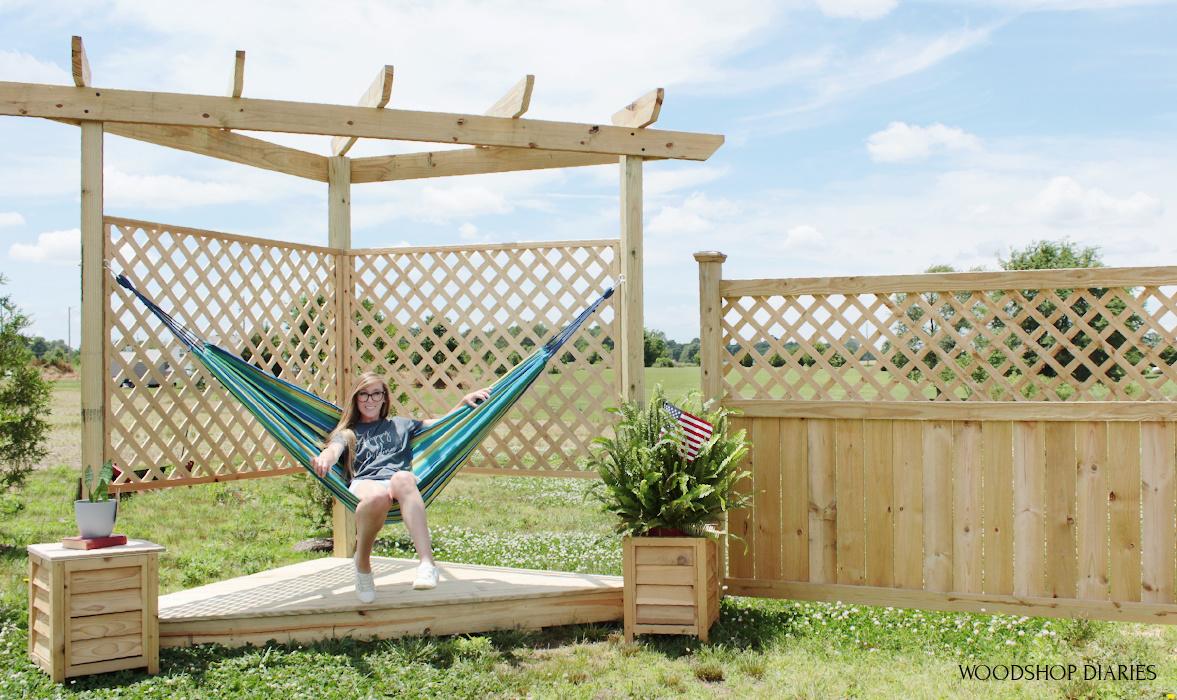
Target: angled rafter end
x,y
81,65
642,112
516,102
378,94
237,84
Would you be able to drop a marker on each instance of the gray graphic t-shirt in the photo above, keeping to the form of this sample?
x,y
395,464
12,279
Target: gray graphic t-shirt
x,y
382,447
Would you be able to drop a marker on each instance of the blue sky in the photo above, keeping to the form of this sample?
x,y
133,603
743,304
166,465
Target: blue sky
x,y
863,136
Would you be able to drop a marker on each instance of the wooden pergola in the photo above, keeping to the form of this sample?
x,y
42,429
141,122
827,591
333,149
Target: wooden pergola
x,y
499,140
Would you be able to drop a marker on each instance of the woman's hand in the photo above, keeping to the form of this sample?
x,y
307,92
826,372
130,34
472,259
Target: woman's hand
x,y
476,397
322,463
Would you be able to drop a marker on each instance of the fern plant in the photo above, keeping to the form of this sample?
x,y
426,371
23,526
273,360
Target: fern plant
x,y
650,486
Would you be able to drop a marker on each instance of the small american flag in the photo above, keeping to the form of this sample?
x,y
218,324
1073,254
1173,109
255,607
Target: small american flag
x,y
694,430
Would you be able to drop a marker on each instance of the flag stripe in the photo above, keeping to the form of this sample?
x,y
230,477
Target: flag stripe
x,y
693,431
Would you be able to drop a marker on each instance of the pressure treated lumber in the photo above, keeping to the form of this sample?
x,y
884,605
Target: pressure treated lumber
x,y
226,145
376,96
468,161
79,63
56,102
315,600
237,82
515,103
642,112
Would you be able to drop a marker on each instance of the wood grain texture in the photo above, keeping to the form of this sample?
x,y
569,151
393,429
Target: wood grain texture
x,y
33,100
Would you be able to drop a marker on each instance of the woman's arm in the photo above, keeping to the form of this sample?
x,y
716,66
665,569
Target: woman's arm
x,y
471,399
329,455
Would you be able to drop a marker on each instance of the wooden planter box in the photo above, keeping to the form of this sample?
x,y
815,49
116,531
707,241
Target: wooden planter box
x,y
671,585
93,611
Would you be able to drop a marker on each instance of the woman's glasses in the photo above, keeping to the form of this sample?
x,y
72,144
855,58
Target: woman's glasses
x,y
370,395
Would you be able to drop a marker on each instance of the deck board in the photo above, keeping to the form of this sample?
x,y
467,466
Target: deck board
x,y
315,599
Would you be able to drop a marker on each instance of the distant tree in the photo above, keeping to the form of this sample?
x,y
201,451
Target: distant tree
x,y
689,353
1055,255
940,268
24,399
1051,255
655,346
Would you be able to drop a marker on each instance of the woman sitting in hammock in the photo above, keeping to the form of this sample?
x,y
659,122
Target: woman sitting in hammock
x,y
379,461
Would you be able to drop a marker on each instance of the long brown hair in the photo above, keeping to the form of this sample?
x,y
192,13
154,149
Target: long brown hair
x,y
351,415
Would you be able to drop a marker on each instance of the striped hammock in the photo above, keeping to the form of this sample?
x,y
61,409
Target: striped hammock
x,y
301,421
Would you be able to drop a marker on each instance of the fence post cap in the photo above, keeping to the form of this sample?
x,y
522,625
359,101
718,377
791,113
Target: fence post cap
x,y
710,256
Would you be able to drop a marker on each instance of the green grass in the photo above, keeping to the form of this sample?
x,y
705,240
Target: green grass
x,y
759,648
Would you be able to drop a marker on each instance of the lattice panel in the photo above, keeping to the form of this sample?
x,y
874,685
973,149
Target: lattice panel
x,y
270,302
954,345
443,321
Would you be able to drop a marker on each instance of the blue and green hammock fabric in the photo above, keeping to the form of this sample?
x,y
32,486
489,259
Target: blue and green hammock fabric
x,y
301,421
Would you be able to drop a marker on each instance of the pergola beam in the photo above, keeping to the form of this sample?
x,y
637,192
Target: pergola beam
x,y
79,62
377,96
515,103
218,143
642,112
237,83
52,101
468,161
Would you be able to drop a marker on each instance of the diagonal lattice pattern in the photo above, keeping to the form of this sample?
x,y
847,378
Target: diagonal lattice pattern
x,y
1095,344
270,302
437,321
442,321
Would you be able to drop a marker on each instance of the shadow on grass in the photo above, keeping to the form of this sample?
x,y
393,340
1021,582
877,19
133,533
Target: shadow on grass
x,y
740,629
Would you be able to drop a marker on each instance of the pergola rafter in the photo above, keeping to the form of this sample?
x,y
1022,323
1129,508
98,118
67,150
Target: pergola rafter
x,y
376,96
237,82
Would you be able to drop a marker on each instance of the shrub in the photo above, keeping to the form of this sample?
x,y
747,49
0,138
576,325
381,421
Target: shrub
x,y
24,400
648,484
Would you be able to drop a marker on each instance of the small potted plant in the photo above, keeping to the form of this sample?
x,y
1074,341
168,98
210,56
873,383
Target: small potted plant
x,y
94,509
668,504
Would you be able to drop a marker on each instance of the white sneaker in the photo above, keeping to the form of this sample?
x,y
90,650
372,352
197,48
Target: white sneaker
x,y
426,577
365,586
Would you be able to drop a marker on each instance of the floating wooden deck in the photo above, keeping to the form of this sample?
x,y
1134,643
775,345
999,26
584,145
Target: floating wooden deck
x,y
315,600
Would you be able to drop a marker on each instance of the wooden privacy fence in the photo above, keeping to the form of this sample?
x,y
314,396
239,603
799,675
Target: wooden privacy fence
x,y
437,321
1000,442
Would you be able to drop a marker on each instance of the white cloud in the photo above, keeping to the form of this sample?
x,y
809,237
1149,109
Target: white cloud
x,y
433,204
11,218
803,235
658,182
17,66
904,142
450,55
857,9
468,232
60,247
698,213
1067,5
1064,201
838,76
221,186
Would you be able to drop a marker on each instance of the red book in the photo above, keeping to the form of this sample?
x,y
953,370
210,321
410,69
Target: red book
x,y
79,542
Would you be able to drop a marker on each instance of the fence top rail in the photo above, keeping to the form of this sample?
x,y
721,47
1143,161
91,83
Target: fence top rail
x,y
273,242
1099,277
466,247
232,237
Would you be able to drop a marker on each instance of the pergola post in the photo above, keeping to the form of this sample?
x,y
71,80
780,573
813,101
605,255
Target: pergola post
x,y
343,521
632,343
710,324
93,304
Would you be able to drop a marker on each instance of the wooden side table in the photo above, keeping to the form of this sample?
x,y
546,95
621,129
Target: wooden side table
x,y
94,611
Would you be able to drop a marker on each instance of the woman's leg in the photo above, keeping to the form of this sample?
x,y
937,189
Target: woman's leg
x,y
370,515
403,488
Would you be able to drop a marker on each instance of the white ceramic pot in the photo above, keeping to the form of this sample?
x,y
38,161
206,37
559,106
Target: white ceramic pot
x,y
95,519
